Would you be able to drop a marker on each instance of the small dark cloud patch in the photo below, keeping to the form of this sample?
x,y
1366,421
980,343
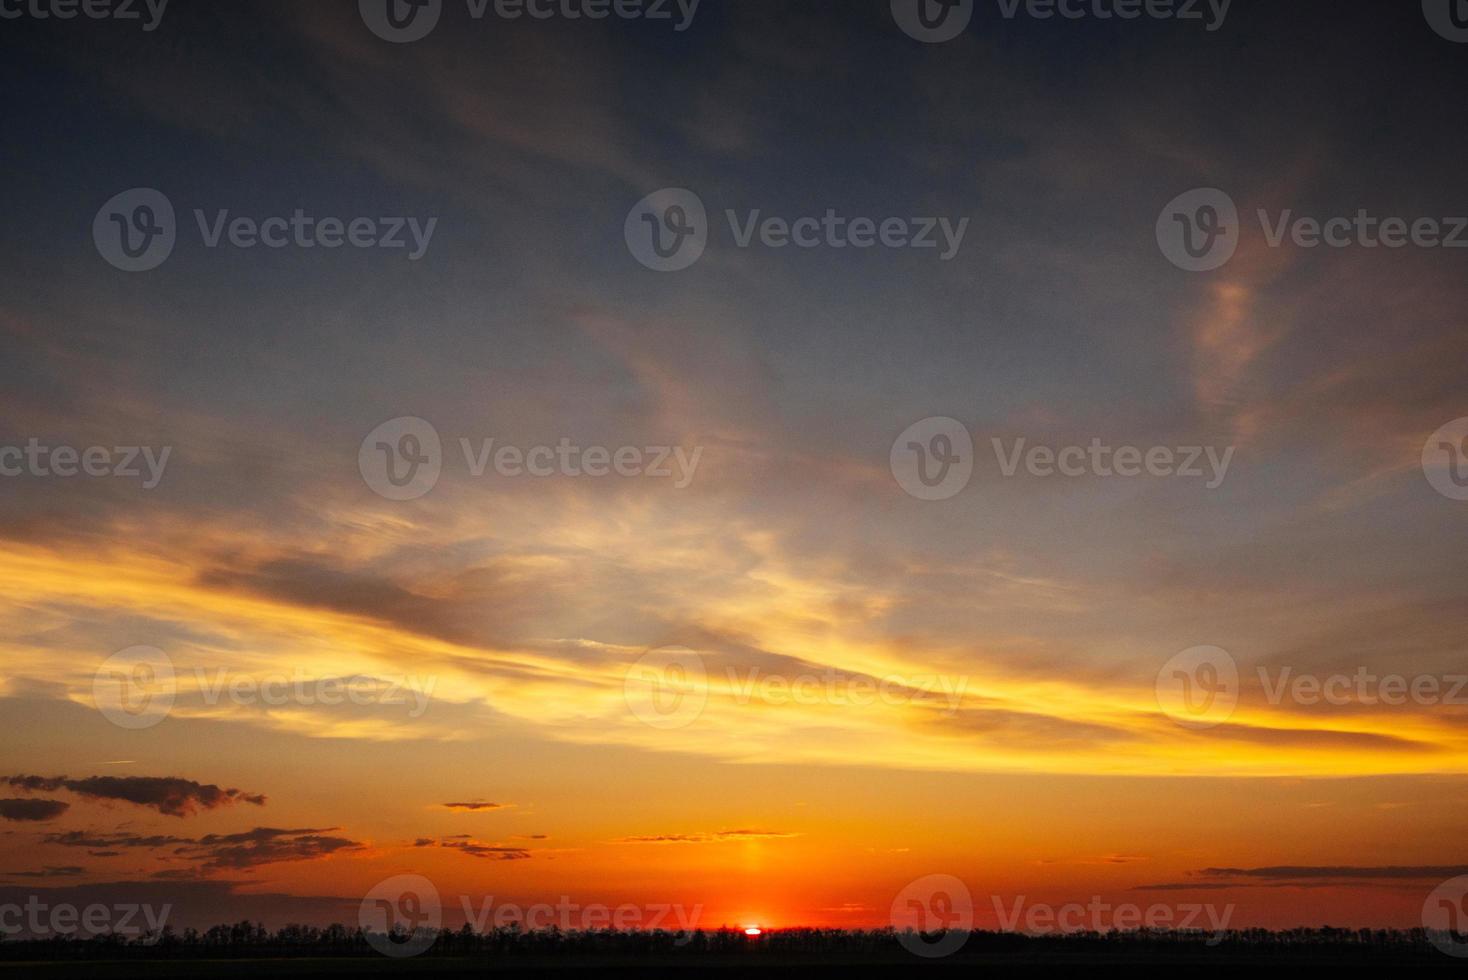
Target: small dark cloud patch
x,y
1308,876
267,845
474,848
703,838
1394,872
248,849
111,842
51,871
170,795
32,811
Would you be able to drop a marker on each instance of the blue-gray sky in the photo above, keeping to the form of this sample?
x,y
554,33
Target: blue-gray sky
x,y
783,377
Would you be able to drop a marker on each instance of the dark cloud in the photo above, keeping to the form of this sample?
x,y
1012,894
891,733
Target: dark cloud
x,y
64,871
1309,876
109,842
32,810
1435,872
456,615
191,901
266,845
491,852
477,806
701,838
169,795
262,845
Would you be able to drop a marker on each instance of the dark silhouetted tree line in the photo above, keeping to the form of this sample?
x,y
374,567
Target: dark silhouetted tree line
x,y
254,941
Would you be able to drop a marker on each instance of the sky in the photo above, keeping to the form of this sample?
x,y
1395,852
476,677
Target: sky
x,y
749,670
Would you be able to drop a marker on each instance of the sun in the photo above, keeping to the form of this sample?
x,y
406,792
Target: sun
x,y
753,931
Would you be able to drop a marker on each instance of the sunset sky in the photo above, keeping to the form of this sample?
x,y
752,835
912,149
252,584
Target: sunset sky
x,y
1026,618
